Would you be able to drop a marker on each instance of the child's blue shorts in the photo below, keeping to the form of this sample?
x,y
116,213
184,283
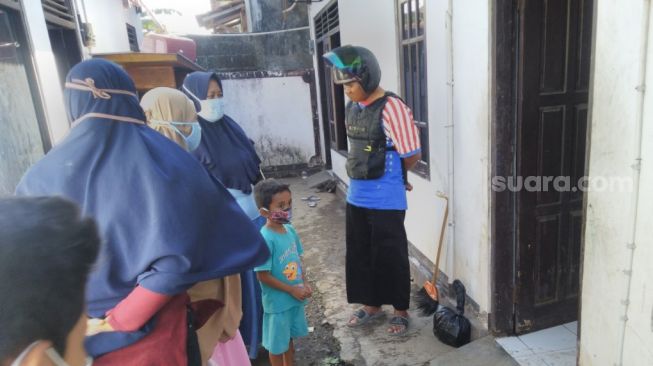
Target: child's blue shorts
x,y
279,328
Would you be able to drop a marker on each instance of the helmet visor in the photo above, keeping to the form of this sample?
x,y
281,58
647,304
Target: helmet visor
x,y
341,77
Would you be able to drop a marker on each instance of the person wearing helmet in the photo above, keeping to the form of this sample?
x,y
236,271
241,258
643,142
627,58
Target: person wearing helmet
x,y
383,144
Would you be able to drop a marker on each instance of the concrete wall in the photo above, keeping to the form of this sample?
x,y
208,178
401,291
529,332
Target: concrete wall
x,y
372,24
264,89
278,51
617,296
276,113
109,19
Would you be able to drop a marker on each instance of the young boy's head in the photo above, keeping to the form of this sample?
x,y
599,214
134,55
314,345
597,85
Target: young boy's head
x,y
272,198
47,249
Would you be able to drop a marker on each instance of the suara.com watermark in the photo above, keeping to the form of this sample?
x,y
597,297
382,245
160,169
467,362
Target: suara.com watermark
x,y
562,184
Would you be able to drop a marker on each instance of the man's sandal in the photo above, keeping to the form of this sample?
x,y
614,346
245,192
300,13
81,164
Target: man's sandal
x,y
362,317
399,322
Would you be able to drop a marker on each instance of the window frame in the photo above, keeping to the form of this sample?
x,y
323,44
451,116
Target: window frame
x,y
327,21
413,40
132,38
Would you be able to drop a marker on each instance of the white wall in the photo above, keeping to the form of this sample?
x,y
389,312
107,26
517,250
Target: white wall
x,y
108,18
372,24
279,118
617,308
471,38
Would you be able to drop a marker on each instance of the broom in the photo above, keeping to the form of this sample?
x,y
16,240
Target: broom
x,y
428,297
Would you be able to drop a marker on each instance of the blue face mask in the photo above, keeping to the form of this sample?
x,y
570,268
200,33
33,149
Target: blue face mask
x,y
192,140
212,110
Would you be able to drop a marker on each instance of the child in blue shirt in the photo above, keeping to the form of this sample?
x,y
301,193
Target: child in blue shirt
x,y
282,277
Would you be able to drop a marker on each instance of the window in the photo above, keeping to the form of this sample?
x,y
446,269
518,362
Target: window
x,y
59,12
327,37
413,67
133,39
24,139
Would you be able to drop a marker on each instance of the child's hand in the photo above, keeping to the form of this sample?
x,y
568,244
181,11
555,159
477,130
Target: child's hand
x,y
298,292
95,326
309,290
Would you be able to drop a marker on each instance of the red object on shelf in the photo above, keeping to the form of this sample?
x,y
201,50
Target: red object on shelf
x,y
165,43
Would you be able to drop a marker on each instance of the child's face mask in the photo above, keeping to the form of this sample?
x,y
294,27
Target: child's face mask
x,y
280,217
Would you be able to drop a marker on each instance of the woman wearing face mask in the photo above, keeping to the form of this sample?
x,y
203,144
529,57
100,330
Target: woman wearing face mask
x,y
228,155
172,114
165,225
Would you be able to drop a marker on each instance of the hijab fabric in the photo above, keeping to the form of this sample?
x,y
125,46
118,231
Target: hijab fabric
x,y
168,105
225,150
165,224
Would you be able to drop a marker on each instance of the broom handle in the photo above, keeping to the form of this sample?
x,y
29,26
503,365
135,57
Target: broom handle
x,y
436,271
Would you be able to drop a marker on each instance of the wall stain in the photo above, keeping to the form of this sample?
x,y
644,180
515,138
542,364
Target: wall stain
x,y
273,153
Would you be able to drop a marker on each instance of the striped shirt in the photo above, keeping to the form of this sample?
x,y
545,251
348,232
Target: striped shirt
x,y
400,128
388,191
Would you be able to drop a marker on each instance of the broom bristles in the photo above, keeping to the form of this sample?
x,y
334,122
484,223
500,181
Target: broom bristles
x,y
426,305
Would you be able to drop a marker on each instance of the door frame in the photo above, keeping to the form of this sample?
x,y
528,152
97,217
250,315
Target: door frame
x,y
504,208
506,76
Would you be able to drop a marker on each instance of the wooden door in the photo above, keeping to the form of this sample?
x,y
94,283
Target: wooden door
x,y
553,82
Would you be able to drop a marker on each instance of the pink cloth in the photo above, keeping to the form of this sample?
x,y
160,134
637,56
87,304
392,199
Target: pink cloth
x,y
232,352
136,309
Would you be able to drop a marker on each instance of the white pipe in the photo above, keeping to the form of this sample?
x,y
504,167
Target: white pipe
x,y
260,33
450,142
291,8
636,172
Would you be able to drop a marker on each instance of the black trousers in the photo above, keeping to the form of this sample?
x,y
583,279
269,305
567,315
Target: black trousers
x,y
377,268
192,343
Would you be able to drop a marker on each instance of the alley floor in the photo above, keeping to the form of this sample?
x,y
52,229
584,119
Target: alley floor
x,y
331,342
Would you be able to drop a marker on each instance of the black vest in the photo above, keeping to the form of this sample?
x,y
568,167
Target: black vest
x,y
367,140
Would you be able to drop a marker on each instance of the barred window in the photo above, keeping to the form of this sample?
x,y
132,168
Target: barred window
x,y
413,67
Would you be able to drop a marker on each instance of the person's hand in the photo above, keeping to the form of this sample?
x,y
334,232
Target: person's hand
x,y
95,326
309,290
298,292
409,187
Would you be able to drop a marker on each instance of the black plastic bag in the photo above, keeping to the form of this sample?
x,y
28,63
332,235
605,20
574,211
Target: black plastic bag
x,y
450,326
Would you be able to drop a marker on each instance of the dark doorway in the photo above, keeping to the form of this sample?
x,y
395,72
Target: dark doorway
x,y
66,49
541,124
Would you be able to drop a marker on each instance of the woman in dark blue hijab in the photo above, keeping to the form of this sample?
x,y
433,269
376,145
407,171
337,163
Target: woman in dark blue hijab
x,y
166,225
228,154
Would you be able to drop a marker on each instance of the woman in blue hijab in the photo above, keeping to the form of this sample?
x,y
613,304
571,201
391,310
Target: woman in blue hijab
x,y
228,154
166,225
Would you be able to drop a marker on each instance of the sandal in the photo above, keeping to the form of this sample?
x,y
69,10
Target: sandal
x,y
363,317
399,322
311,198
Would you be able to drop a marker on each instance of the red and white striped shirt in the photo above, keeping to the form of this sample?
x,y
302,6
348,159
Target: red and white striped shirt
x,y
400,128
